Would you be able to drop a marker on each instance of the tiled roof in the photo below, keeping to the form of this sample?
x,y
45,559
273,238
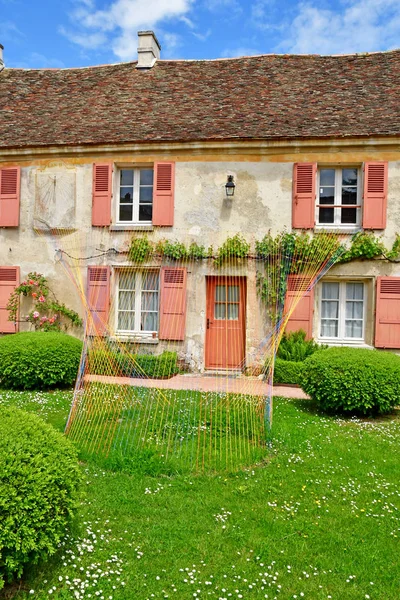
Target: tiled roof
x,y
261,97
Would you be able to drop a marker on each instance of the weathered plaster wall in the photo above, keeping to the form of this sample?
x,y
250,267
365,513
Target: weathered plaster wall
x,y
202,214
393,208
262,202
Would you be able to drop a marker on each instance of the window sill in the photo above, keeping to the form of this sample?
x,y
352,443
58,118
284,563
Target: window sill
x,y
134,338
132,227
338,229
344,342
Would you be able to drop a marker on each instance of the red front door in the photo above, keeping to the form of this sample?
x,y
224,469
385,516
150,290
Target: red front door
x,y
225,326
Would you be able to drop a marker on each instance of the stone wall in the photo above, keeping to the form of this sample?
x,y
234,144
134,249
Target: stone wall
x,y
58,193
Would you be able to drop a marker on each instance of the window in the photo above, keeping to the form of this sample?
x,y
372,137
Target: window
x,y
137,309
135,196
339,197
227,301
342,310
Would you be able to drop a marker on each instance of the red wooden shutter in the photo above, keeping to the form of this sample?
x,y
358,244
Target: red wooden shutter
x,y
9,280
98,298
102,186
163,194
375,195
10,178
299,304
387,316
303,206
173,303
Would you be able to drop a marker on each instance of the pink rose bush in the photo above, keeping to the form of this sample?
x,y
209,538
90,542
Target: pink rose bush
x,y
47,313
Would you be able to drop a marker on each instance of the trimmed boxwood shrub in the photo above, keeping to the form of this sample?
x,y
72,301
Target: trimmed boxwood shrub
x,y
103,362
39,360
292,352
160,367
287,371
108,362
353,380
39,490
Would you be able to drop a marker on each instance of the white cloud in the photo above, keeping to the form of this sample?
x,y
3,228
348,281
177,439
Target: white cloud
x,y
120,22
188,22
217,5
9,31
361,26
89,41
43,62
39,61
261,11
172,41
202,36
240,51
268,15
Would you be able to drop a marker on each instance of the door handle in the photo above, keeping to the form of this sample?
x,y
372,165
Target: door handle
x,y
208,323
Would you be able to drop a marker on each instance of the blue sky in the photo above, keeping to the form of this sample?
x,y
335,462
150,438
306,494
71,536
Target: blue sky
x,y
73,33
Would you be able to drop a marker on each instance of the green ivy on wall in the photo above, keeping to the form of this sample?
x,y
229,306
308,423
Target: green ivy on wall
x,y
366,246
233,248
301,246
286,253
290,253
142,249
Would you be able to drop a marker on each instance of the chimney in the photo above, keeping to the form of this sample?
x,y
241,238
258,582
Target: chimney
x,y
2,65
148,49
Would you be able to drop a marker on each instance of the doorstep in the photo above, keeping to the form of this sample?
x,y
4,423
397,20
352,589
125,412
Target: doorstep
x,y
228,373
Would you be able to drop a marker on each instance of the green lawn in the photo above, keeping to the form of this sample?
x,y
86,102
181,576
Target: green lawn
x,y
166,432
318,518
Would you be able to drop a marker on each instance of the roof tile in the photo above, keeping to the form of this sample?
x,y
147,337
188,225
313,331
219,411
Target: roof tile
x,y
264,97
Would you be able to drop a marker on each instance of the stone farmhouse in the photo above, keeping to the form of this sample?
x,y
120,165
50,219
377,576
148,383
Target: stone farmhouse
x,y
147,147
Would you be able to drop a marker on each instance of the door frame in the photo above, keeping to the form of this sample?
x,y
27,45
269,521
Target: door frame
x,y
242,280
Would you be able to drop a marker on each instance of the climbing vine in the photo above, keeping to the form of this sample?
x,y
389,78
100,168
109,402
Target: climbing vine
x,y
290,253
234,247
365,245
197,252
140,250
286,253
172,250
47,313
300,246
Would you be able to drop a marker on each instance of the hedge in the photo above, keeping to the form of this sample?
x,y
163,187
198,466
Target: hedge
x,y
353,380
109,362
39,360
292,352
39,490
287,371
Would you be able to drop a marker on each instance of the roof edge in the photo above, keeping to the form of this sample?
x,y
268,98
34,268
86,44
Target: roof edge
x,y
230,146
222,59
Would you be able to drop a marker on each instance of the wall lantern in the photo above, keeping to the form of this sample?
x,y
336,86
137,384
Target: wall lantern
x,y
230,186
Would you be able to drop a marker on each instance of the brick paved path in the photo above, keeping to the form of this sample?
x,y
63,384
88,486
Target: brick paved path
x,y
237,385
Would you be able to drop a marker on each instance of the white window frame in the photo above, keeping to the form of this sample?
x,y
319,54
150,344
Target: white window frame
x,y
341,338
137,332
136,189
337,206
